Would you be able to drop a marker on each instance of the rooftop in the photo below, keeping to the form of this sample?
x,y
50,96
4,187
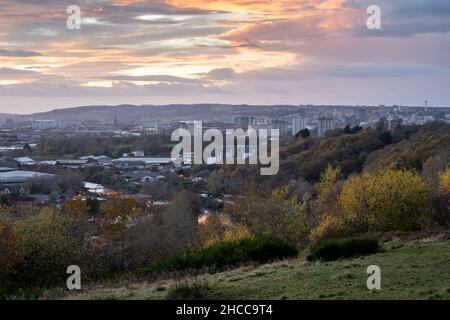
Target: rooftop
x,y
23,176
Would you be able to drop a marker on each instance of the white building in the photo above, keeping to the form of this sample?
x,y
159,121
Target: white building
x,y
324,125
25,161
48,124
298,124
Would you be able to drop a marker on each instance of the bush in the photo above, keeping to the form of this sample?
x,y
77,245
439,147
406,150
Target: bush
x,y
331,250
388,200
226,254
195,290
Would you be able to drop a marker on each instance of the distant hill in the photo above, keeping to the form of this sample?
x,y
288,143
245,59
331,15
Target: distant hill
x,y
127,114
4,116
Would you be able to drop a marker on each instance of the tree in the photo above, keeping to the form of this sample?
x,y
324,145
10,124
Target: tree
x,y
215,183
93,204
390,200
305,133
327,193
27,148
8,247
44,249
118,213
177,224
75,207
444,185
276,213
441,201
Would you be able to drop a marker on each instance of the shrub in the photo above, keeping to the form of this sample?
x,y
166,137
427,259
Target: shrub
x,y
444,185
195,290
226,254
44,251
277,213
388,200
331,250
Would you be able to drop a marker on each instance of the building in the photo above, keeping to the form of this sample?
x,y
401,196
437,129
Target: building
x,y
97,159
280,125
194,127
140,163
73,163
48,124
17,177
298,124
244,123
25,161
324,125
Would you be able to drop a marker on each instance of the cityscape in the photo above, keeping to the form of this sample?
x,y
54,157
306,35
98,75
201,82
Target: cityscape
x,y
225,158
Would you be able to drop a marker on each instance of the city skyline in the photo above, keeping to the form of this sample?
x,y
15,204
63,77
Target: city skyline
x,y
231,52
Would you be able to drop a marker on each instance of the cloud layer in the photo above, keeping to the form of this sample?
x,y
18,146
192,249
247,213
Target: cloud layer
x,y
235,51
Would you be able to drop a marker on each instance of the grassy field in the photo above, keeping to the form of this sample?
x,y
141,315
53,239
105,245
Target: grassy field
x,y
415,270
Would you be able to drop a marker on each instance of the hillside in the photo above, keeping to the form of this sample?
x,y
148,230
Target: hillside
x,y
132,114
415,150
411,270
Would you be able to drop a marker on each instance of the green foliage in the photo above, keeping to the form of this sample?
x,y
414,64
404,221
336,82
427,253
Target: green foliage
x,y
226,254
310,157
113,147
5,199
43,250
93,204
277,213
305,133
350,130
185,290
331,250
412,151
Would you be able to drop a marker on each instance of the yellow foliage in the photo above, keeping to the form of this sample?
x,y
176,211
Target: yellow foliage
x,y
211,232
325,203
237,233
216,230
390,200
75,207
330,226
275,213
118,212
444,185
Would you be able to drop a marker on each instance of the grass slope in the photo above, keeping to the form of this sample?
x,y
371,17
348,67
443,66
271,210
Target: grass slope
x,y
416,270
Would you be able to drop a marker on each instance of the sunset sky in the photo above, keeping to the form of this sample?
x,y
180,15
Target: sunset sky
x,y
234,51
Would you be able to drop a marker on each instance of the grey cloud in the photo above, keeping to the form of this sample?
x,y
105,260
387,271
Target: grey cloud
x,y
14,74
402,18
220,74
155,78
18,53
374,70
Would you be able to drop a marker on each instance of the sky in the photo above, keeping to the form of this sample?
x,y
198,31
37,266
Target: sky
x,y
218,51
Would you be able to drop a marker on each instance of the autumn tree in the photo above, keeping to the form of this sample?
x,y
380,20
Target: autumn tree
x,y
44,249
441,201
177,224
277,213
390,200
118,213
76,207
444,185
327,193
8,247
